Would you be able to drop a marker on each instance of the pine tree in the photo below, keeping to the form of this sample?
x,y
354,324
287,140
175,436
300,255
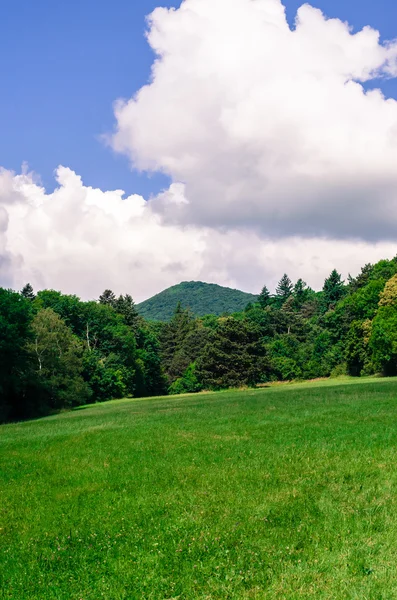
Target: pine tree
x,y
108,297
125,306
234,355
333,290
174,355
264,297
27,292
301,293
355,283
284,288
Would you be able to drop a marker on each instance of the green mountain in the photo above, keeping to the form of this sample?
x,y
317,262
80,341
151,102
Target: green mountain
x,y
201,298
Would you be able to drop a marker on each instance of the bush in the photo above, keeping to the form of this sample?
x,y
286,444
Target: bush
x,y
188,384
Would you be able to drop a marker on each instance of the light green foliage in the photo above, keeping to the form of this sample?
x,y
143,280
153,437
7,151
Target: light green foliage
x,y
58,355
272,494
383,331
389,295
188,383
383,340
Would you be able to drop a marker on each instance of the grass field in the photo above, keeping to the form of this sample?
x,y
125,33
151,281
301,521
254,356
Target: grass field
x,y
279,493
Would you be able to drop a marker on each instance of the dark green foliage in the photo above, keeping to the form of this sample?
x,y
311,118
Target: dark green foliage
x,y
302,294
333,290
27,292
15,364
234,356
57,351
125,306
201,298
362,279
356,349
284,289
264,297
108,298
69,308
150,380
182,341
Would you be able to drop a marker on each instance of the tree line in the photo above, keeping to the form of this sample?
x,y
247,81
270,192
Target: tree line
x,y
58,352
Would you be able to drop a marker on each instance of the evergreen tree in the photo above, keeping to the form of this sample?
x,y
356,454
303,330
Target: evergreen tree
x,y
264,297
333,290
302,293
234,356
284,288
108,297
355,283
175,357
125,306
27,292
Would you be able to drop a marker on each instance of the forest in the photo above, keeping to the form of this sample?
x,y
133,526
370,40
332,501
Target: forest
x,y
202,299
58,352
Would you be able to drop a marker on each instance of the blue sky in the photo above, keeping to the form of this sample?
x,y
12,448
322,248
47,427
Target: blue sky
x,y
279,162
65,63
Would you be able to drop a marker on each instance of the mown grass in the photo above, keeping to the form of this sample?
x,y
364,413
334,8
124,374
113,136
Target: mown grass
x,y
279,493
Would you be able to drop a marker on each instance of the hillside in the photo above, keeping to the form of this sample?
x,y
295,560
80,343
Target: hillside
x,y
201,298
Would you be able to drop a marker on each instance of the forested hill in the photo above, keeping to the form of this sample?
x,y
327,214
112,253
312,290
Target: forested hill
x,y
201,298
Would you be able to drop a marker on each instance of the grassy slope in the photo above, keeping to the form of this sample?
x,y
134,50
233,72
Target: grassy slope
x,y
201,298
279,493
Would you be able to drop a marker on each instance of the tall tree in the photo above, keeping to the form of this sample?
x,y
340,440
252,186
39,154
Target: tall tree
x,y
125,306
150,378
27,292
174,355
302,294
355,283
284,288
234,356
264,297
333,290
59,363
108,297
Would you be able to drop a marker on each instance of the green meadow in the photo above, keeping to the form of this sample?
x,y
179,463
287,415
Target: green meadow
x,y
285,492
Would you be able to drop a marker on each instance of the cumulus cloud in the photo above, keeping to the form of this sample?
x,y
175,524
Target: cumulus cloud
x,y
267,127
82,240
279,161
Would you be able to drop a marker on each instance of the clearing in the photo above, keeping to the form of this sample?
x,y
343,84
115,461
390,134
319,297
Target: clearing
x,y
280,493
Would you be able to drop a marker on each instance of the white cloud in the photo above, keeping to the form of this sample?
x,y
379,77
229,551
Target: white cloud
x,y
83,240
267,127
279,161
